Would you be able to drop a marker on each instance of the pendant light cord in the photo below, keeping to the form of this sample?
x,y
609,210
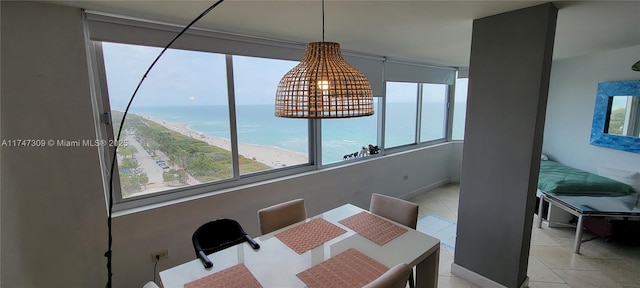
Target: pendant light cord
x,y
109,253
322,20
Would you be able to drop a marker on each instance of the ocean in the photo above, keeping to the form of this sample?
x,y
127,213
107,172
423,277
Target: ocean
x,y
258,125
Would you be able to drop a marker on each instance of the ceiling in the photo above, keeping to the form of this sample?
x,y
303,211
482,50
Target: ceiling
x,y
436,32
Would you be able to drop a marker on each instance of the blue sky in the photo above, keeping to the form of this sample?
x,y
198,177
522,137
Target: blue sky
x,y
183,77
619,102
187,78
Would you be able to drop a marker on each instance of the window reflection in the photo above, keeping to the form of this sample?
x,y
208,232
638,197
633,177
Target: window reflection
x,y
623,116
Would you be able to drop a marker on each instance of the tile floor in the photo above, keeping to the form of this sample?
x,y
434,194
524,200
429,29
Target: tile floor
x,y
552,263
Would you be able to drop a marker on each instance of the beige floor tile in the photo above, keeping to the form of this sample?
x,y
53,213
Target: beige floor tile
x,y
547,285
433,194
451,204
559,232
601,249
446,259
618,269
448,196
437,208
552,262
586,279
622,251
540,238
633,259
432,209
538,272
560,258
567,243
453,282
451,250
449,215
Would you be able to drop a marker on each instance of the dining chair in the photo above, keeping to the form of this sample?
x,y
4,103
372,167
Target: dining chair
x,y
396,277
394,209
217,235
397,210
281,215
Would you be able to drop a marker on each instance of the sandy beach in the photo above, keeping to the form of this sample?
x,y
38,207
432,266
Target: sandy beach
x,y
271,156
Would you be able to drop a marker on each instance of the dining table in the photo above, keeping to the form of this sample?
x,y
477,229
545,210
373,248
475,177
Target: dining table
x,y
343,247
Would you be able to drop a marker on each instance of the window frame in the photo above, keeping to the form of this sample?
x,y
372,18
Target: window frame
x,y
378,108
418,120
416,124
447,112
461,74
105,131
126,29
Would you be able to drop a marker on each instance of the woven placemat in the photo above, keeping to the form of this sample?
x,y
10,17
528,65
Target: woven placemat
x,y
372,227
237,276
350,268
309,235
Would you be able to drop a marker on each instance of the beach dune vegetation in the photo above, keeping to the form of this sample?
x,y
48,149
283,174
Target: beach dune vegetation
x,y
132,182
175,177
189,156
127,151
616,121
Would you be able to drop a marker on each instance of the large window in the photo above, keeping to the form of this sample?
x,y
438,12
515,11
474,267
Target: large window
x,y
203,120
404,101
350,138
400,118
179,114
434,112
178,132
460,108
272,141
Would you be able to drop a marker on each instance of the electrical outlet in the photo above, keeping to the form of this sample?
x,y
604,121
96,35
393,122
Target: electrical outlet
x,y
160,255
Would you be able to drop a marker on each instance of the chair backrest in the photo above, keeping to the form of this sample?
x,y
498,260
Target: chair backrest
x,y
394,209
281,215
396,277
216,235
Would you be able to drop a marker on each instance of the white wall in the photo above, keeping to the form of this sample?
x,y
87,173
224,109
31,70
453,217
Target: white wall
x,y
53,211
139,234
456,161
53,207
572,94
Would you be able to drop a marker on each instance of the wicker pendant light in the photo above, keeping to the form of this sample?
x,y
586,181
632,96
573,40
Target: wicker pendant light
x,y
324,85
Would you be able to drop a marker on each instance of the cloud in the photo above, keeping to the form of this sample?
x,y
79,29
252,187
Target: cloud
x,y
200,75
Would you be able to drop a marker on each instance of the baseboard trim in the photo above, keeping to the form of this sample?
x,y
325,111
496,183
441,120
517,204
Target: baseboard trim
x,y
480,280
426,188
554,224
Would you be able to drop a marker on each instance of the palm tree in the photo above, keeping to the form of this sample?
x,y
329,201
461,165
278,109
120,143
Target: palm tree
x,y
127,150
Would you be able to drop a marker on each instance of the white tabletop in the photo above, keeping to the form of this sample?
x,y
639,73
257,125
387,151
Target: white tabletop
x,y
276,265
